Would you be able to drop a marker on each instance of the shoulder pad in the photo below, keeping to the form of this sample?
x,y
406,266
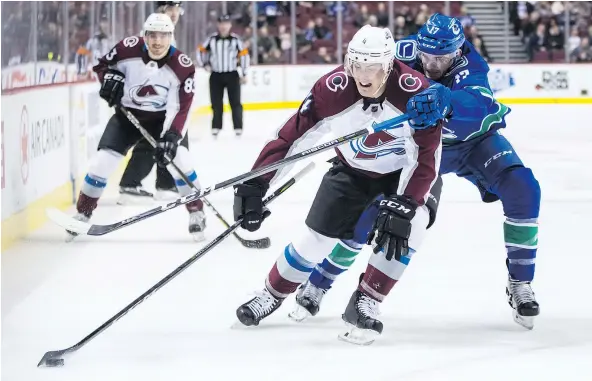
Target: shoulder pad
x,y
406,50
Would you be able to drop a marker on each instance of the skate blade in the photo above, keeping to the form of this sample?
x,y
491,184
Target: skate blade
x,y
358,336
166,196
70,237
198,236
129,199
525,321
299,314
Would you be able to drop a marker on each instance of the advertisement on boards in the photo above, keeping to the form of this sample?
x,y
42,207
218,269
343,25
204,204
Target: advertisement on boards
x,y
35,146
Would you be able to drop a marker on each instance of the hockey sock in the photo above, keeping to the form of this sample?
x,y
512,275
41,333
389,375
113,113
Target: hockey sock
x,y
288,272
521,237
339,261
381,275
95,181
185,189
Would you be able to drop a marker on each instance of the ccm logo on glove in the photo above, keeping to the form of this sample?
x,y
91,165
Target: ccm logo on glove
x,y
395,206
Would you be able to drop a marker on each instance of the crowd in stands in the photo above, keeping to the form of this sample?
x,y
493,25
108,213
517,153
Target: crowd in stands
x,y
541,26
316,26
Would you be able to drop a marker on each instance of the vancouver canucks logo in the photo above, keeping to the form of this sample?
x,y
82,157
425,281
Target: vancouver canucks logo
x,y
377,145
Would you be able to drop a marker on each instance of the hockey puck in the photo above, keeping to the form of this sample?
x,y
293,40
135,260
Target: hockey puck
x,y
54,362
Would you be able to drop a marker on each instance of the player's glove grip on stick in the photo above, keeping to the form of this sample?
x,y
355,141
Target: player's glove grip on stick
x,y
166,148
248,205
392,226
425,109
112,87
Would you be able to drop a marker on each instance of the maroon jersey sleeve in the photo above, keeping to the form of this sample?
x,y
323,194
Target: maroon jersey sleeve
x,y
129,47
416,180
329,96
180,96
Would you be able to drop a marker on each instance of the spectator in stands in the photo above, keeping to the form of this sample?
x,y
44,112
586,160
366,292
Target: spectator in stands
x,y
582,53
373,20
285,40
537,42
555,38
420,19
323,57
321,32
382,16
401,29
265,44
574,40
472,35
530,27
465,18
309,31
362,17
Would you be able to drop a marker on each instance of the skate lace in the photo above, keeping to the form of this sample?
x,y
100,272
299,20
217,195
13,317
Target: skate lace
x,y
368,307
262,304
521,292
313,293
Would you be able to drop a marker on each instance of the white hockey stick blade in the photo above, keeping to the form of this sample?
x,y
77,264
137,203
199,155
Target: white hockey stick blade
x,y
67,222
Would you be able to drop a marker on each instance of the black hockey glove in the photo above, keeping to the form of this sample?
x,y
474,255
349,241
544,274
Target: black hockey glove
x,y
393,226
166,148
112,87
248,204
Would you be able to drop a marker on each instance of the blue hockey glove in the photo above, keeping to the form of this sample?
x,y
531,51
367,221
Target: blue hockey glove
x,y
428,107
392,227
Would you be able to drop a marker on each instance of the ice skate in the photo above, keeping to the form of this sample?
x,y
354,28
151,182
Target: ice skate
x,y
71,235
169,194
215,132
522,300
308,302
238,131
197,225
258,308
360,319
132,195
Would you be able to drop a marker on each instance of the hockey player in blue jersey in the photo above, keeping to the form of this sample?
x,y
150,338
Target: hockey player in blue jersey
x,y
473,149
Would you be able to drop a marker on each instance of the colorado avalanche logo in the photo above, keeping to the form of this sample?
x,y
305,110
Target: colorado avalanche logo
x,y
337,81
149,95
377,145
130,42
409,83
185,61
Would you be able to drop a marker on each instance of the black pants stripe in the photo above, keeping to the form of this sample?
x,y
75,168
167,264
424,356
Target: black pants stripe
x,y
219,82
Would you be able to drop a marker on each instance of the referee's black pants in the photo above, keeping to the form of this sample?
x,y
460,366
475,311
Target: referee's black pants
x,y
230,81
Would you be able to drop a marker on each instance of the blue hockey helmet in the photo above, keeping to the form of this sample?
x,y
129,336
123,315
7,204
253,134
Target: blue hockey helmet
x,y
440,35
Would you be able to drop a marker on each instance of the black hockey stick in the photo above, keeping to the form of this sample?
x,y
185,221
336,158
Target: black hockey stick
x,y
80,227
55,358
262,243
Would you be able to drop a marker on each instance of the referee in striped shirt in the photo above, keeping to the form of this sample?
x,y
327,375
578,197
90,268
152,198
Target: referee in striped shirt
x,y
221,54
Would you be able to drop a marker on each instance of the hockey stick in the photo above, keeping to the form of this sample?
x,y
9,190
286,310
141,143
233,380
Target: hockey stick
x,y
55,358
80,227
262,243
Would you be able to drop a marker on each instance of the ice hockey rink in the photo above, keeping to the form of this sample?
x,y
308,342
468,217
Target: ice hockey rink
x,y
447,319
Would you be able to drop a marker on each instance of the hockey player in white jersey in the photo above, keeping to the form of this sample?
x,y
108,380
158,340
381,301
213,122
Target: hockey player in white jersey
x,y
369,88
141,161
155,82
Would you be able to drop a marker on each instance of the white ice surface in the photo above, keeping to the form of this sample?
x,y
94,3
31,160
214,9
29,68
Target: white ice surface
x,y
446,320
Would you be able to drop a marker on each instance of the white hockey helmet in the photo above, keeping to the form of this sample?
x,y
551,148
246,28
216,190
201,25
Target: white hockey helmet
x,y
371,45
159,22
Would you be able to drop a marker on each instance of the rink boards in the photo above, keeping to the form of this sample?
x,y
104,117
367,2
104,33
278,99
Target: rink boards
x,y
50,132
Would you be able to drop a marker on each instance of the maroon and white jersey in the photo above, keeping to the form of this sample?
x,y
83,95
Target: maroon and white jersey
x,y
154,91
335,106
